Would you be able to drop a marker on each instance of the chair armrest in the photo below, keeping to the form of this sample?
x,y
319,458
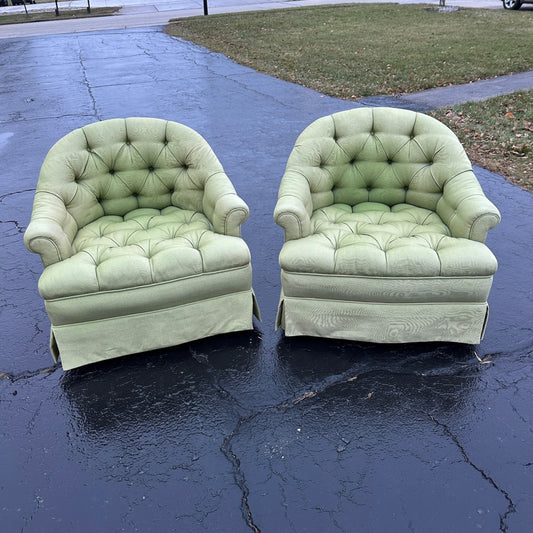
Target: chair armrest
x,y
51,229
294,206
230,213
290,213
466,210
225,209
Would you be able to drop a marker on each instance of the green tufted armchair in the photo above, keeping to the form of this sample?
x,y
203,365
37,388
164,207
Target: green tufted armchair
x,y
384,228
138,228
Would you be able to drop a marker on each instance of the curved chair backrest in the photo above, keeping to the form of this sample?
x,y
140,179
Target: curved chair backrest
x,y
115,166
384,155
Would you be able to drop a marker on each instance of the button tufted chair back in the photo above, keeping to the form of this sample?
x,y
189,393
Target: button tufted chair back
x,y
387,156
115,166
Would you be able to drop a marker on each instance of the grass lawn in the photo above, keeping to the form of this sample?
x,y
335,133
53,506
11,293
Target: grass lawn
x,y
358,50
497,134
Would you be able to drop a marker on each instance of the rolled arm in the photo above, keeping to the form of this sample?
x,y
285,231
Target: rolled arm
x,y
290,213
225,209
466,210
51,230
294,206
229,215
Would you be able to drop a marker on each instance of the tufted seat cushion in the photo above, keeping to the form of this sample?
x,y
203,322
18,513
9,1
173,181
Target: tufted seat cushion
x,y
144,247
138,228
380,207
377,240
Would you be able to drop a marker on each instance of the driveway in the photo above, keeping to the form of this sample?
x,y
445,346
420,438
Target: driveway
x,y
252,431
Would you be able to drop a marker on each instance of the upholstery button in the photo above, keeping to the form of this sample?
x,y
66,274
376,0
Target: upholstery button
x,y
111,171
151,169
389,161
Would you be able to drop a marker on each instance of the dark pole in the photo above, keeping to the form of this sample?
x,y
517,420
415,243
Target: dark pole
x,y
57,9
205,8
88,6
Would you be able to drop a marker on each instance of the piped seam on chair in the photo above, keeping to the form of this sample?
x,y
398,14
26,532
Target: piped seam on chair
x,y
382,277
229,214
386,304
209,176
47,239
451,178
141,287
282,214
494,216
52,193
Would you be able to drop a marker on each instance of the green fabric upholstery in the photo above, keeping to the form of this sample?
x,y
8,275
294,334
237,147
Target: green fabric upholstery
x,y
385,225
138,228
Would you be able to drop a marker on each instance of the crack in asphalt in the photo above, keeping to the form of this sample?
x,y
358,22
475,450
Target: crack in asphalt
x,y
246,415
19,228
511,507
13,378
39,501
87,84
525,347
13,193
238,474
15,224
45,118
304,395
230,77
227,448
349,376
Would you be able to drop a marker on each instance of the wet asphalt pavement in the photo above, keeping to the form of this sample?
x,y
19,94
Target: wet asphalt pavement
x,y
249,431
